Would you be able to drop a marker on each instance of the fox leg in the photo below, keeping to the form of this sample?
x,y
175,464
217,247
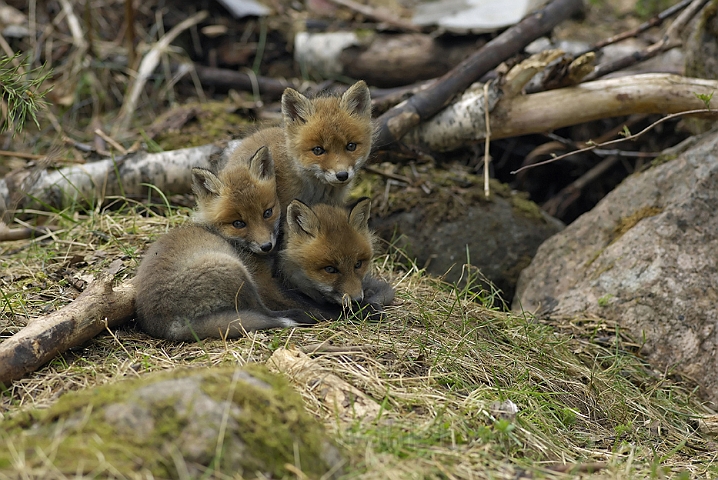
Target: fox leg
x,y
377,291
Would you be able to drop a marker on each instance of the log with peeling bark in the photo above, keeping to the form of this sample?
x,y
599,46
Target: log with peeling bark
x,y
462,122
381,59
98,307
396,122
169,171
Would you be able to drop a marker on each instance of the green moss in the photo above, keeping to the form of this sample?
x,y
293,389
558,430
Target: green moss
x,y
525,207
80,436
208,122
627,223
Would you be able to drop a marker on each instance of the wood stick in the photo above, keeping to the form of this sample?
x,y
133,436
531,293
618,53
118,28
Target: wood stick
x,y
46,337
225,78
545,111
396,122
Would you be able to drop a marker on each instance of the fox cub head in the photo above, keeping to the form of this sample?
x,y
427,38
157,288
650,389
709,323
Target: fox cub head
x,y
328,250
331,137
241,202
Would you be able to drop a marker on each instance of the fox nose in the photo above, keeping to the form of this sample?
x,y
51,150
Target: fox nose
x,y
342,176
266,247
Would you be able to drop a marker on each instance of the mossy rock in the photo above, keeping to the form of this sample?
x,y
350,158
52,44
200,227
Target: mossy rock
x,y
245,422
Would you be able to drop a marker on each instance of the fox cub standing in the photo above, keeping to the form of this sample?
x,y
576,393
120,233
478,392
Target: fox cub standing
x,y
205,281
323,143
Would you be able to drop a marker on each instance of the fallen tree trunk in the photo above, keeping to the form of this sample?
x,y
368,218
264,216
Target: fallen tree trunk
x,y
98,307
396,122
128,176
463,122
381,59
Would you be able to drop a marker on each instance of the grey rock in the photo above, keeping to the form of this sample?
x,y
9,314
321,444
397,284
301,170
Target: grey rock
x,y
181,424
436,230
647,257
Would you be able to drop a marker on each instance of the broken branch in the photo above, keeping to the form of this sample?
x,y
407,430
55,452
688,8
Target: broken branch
x,y
46,337
462,122
396,122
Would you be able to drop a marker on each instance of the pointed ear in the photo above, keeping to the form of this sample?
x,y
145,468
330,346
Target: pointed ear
x,y
357,100
205,183
301,219
359,214
261,165
295,106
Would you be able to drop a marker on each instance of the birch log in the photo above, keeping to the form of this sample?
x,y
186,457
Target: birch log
x,y
44,338
462,122
169,171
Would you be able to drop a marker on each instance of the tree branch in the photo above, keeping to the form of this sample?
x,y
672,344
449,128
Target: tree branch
x,y
44,338
396,122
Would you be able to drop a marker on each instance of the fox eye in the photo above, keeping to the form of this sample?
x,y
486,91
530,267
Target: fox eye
x,y
268,213
238,224
331,269
358,264
318,151
351,146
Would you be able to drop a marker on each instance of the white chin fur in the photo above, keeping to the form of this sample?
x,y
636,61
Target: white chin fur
x,y
331,178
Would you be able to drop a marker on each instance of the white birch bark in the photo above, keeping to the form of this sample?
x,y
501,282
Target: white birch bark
x,y
87,184
462,122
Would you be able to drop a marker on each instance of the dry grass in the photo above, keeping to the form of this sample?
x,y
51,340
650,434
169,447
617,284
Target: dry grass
x,y
438,367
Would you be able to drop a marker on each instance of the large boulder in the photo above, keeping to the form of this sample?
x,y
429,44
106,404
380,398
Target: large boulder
x,y
647,257
453,224
185,424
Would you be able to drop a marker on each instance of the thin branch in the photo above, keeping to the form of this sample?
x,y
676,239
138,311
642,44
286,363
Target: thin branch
x,y
148,65
702,111
652,22
487,140
669,40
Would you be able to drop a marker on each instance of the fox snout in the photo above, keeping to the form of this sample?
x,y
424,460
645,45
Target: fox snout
x,y
340,176
263,246
347,298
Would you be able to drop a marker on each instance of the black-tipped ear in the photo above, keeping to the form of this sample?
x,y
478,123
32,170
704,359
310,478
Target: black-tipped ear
x,y
205,183
359,214
357,100
261,165
295,106
301,219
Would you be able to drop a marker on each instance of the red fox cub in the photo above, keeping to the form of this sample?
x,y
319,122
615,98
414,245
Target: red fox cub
x,y
327,255
323,143
240,203
194,283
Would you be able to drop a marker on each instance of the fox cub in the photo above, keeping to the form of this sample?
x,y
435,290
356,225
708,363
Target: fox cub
x,y
328,253
213,279
323,143
240,203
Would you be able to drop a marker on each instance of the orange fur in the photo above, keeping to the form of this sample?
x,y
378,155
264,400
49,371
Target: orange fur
x,y
328,251
241,202
324,142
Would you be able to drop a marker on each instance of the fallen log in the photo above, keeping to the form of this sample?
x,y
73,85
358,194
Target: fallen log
x,y
381,59
126,176
98,307
396,122
462,123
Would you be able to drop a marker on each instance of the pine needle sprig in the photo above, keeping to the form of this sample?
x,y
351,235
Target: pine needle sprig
x,y
20,89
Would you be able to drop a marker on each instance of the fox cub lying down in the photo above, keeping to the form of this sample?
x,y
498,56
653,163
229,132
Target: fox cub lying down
x,y
216,279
